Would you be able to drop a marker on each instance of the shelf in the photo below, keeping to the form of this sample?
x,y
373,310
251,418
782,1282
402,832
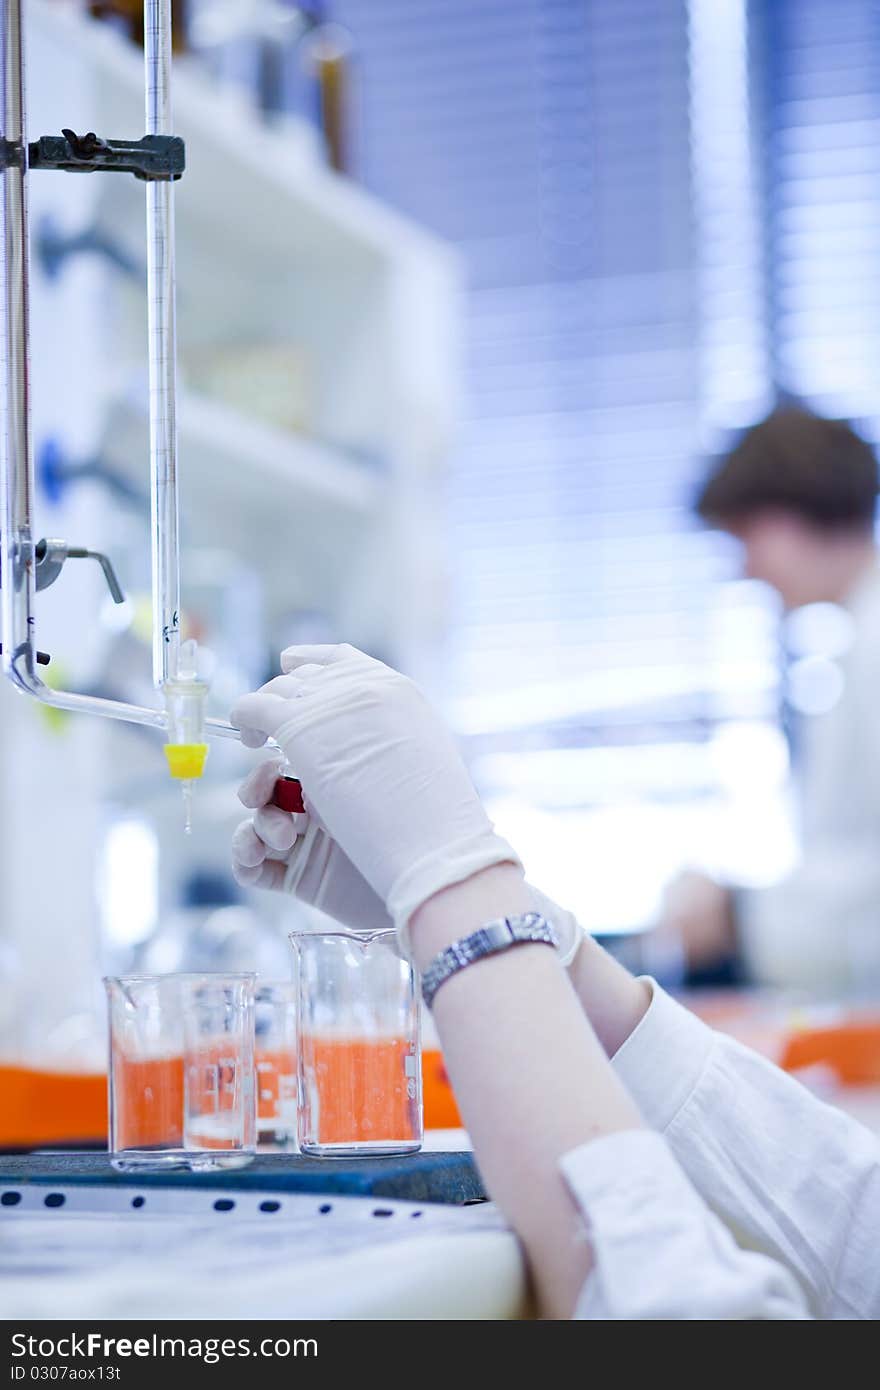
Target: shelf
x,y
293,506
252,455
249,186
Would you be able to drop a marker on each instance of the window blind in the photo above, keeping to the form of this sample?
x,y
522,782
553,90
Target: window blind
x,y
817,79
553,142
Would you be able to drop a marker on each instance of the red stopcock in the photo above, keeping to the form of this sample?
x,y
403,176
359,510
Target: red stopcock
x,y
288,794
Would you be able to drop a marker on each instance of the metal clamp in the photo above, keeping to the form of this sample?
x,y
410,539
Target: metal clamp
x,y
43,658
50,556
154,157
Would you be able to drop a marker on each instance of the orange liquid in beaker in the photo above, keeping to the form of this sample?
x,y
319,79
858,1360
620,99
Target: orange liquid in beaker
x,y
363,1088
149,1103
362,1085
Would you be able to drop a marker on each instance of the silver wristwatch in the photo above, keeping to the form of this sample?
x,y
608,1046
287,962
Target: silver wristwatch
x,y
495,936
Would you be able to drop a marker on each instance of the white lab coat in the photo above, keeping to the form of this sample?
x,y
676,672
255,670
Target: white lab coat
x,y
751,1199
820,927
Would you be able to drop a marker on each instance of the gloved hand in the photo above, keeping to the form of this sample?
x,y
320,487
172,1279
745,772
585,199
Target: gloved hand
x,y
292,853
380,771
569,932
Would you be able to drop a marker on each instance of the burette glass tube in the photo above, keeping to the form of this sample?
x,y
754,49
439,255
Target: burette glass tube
x,y
161,328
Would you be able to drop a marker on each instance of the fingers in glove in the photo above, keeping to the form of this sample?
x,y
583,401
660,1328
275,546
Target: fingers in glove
x,y
269,874
307,672
263,711
288,686
251,738
258,787
328,654
248,850
279,829
258,715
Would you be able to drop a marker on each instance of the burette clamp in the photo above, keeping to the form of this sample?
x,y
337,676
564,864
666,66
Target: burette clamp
x,y
150,158
51,555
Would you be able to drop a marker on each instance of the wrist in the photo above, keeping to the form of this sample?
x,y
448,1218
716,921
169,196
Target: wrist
x,y
498,891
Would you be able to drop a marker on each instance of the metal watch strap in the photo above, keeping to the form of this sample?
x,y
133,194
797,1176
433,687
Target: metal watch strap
x,y
495,936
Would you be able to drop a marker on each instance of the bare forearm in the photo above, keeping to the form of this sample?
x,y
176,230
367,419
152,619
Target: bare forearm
x,y
614,1002
531,1077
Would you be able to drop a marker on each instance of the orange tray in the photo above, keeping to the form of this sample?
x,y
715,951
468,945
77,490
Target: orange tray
x,y
47,1107
851,1049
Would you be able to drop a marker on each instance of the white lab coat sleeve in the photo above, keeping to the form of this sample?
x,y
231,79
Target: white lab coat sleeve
x,y
657,1250
788,1175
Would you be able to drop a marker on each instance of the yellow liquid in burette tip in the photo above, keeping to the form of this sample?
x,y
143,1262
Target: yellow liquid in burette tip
x,y
186,760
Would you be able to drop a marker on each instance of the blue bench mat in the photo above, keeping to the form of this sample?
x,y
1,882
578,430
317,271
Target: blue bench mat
x,y
450,1178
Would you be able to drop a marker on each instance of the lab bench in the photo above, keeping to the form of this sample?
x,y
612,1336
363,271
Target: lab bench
x,y
287,1237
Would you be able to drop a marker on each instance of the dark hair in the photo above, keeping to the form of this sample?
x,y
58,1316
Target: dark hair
x,y
794,461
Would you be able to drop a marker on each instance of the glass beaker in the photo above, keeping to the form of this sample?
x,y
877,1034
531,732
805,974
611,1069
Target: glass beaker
x,y
275,1062
219,1102
181,1071
357,1044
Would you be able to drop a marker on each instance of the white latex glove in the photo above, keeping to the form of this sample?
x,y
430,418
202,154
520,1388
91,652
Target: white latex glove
x,y
291,852
569,932
380,770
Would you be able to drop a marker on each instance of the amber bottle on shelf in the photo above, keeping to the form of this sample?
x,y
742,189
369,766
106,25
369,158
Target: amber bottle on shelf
x,y
129,16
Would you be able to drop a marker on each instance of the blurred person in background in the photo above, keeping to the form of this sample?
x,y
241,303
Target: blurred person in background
x,y
799,492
